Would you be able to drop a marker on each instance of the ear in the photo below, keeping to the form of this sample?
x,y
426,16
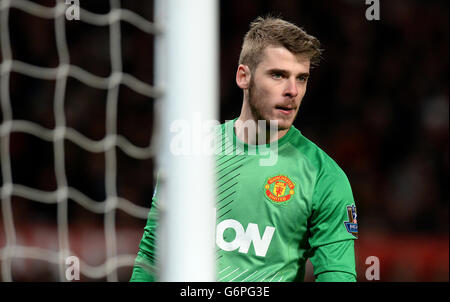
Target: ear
x,y
243,76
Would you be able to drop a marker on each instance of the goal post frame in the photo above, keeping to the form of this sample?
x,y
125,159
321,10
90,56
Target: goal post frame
x,y
186,66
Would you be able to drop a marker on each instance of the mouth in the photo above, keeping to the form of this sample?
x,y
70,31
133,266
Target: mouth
x,y
286,110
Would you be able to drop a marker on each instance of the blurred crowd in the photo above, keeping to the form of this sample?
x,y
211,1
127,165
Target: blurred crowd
x,y
378,104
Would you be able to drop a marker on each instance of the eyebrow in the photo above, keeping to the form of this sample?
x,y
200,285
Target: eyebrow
x,y
285,72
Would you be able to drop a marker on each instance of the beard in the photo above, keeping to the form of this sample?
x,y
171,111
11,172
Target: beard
x,y
263,112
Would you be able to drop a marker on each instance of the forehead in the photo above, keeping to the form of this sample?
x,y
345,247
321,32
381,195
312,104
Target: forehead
x,y
280,58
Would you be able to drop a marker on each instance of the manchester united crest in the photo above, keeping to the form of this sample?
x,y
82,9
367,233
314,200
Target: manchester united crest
x,y
279,188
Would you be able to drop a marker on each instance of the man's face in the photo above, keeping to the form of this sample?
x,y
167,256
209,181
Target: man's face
x,y
277,86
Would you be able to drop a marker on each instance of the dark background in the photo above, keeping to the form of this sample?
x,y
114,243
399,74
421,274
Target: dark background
x,y
377,104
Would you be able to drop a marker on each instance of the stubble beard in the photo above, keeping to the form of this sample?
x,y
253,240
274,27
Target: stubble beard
x,y
258,113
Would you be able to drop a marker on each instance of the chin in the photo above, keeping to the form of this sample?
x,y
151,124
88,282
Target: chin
x,y
284,127
284,124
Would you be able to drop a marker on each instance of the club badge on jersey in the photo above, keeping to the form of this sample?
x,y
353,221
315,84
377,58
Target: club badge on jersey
x,y
352,224
279,189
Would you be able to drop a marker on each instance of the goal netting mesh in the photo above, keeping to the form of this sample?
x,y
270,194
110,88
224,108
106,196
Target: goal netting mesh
x,y
22,253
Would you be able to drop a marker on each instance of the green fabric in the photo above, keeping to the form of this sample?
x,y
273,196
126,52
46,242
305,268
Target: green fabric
x,y
336,277
272,218
334,261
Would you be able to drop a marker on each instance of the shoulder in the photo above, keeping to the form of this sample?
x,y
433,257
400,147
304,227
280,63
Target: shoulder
x,y
317,157
331,182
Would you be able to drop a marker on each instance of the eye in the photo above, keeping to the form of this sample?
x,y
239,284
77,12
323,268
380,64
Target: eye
x,y
277,75
302,78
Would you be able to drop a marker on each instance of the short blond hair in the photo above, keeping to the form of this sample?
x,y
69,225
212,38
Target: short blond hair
x,y
270,31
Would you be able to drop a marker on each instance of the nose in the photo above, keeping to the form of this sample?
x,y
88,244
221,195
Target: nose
x,y
291,89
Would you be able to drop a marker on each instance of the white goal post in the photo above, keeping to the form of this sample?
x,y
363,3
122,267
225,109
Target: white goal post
x,y
187,68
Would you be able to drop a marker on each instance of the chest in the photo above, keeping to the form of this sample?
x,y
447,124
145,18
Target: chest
x,y
259,197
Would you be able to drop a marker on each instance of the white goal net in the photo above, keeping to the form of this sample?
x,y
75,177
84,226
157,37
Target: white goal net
x,y
104,250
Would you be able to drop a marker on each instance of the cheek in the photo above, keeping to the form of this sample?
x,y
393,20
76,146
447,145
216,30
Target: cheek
x,y
271,96
263,96
301,92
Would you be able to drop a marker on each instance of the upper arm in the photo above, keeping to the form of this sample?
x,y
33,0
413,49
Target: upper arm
x,y
333,216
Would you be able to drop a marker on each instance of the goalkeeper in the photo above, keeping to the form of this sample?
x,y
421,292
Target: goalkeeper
x,y
272,218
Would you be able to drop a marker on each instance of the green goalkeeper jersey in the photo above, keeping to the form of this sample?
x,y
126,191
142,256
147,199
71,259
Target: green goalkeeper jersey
x,y
276,208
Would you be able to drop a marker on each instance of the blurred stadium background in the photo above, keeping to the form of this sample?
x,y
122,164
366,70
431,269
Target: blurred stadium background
x,y
378,104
